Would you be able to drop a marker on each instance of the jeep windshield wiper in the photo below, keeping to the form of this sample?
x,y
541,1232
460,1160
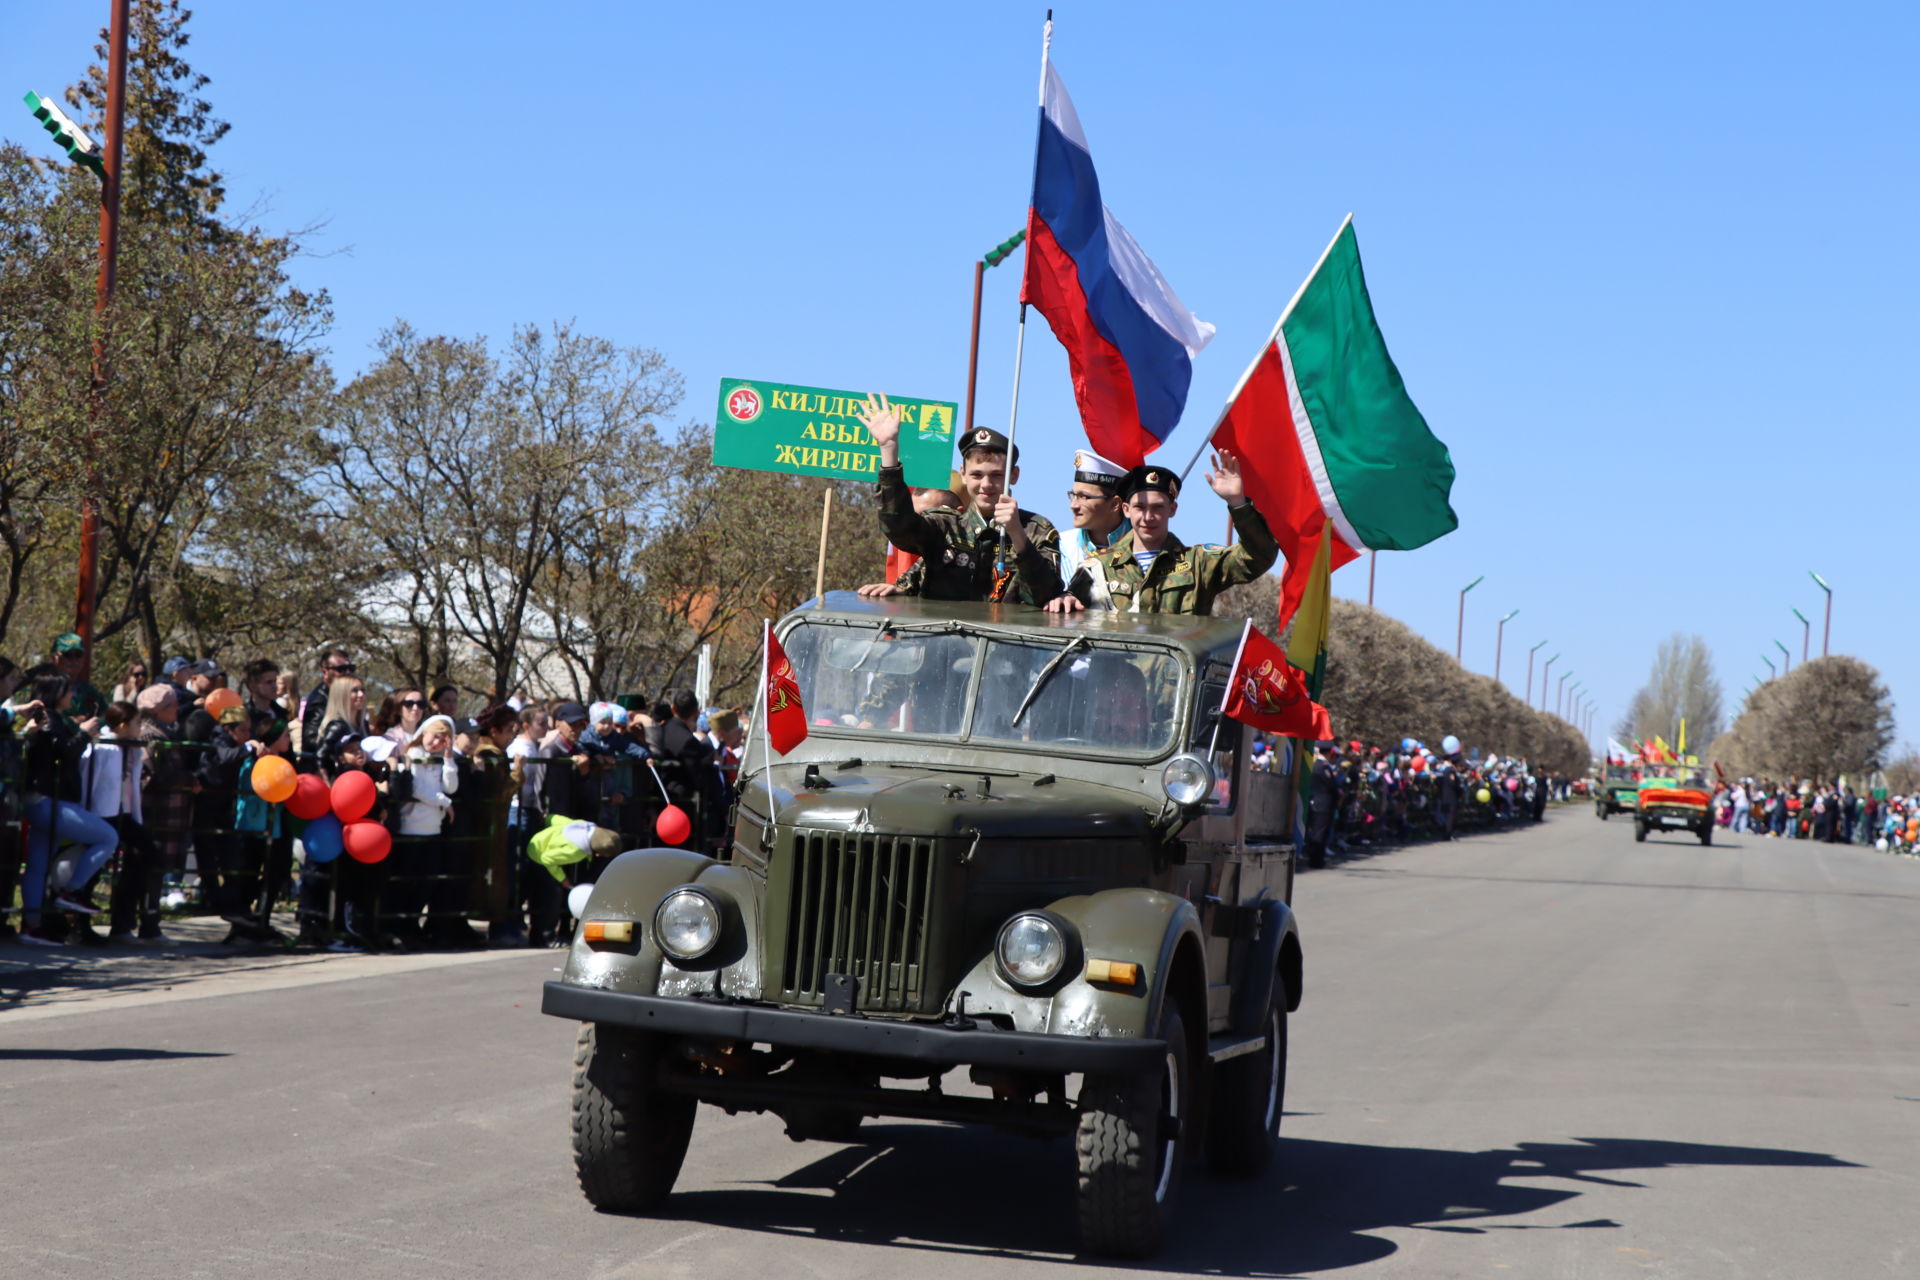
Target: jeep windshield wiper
x,y
884,631
1078,642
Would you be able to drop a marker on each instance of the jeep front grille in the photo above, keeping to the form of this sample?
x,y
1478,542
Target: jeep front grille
x,y
860,906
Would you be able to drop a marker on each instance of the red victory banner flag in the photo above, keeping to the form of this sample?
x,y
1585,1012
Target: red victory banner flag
x,y
1268,692
786,717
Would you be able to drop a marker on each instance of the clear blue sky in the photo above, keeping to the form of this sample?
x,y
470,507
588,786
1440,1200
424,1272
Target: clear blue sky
x,y
1650,270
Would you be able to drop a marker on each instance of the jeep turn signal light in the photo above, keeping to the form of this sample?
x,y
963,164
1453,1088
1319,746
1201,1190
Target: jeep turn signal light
x,y
608,930
1120,973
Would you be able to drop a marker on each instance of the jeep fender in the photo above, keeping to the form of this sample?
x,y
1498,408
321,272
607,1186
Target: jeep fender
x,y
630,888
1274,956
1145,927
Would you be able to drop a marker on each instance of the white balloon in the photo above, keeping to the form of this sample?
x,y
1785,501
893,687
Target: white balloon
x,y
1449,744
577,899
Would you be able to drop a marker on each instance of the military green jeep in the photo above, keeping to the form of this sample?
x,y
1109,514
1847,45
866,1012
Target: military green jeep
x,y
1014,842
1617,792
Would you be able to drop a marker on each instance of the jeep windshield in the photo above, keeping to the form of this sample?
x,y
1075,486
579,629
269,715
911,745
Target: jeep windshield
x,y
1097,697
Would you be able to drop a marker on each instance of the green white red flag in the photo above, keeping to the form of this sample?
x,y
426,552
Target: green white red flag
x,y
1268,692
1330,443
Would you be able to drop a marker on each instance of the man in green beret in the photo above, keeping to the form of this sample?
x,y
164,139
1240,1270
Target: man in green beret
x,y
70,658
962,552
1150,571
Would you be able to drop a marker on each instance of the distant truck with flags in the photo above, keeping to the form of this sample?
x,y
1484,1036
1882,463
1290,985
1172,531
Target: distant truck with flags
x,y
1673,793
1617,789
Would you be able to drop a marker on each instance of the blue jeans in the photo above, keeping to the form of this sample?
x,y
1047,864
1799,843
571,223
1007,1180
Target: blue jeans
x,y
74,825
1741,812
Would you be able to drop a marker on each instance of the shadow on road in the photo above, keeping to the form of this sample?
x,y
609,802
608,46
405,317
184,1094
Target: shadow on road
x,y
99,1055
970,1191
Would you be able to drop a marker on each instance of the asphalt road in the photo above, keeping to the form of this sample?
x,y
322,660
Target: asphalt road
x,y
1543,1053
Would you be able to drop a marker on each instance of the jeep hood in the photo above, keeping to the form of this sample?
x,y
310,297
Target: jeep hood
x,y
904,800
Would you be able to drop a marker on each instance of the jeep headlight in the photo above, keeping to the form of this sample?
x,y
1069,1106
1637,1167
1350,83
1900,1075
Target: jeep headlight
x,y
1187,780
687,924
1033,949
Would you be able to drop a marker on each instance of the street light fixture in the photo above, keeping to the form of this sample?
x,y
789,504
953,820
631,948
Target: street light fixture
x,y
1786,657
1530,653
1806,633
1499,638
1773,672
1826,629
1546,674
1460,631
1560,692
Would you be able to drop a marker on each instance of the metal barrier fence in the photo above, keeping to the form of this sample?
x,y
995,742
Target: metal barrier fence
x,y
428,888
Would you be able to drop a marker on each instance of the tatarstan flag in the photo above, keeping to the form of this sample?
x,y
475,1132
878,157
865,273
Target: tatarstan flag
x,y
1330,443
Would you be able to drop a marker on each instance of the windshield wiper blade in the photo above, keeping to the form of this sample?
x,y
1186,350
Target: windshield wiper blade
x,y
1078,642
884,629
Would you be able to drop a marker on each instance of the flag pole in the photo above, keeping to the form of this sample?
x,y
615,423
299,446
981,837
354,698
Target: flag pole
x,y
766,720
1259,355
1020,338
1226,695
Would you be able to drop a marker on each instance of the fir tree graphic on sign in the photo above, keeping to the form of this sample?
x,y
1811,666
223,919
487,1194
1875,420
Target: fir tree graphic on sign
x,y
936,422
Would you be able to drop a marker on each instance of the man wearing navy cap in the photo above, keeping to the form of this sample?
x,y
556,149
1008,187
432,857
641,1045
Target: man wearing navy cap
x,y
1150,571
961,551
1099,514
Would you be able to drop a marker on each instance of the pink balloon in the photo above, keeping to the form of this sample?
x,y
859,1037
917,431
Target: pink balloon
x,y
673,826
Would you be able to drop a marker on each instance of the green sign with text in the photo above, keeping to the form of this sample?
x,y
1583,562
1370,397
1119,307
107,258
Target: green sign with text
x,y
812,431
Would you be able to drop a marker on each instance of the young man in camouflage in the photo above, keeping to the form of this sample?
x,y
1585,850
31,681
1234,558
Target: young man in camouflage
x,y
960,552
1150,571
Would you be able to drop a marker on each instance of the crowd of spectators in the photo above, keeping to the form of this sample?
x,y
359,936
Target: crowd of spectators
x,y
147,797
1831,812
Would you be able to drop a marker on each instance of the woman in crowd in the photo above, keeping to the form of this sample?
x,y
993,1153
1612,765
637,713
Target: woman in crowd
x,y
166,796
411,705
424,779
495,794
114,766
132,681
51,781
344,720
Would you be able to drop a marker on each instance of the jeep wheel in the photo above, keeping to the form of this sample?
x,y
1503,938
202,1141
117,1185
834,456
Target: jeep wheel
x,y
1603,811
628,1137
1131,1144
1640,832
1706,834
1249,1095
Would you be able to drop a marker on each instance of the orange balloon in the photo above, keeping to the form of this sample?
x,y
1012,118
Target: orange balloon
x,y
274,779
219,700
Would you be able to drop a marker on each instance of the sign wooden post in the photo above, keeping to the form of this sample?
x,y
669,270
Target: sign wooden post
x,y
820,566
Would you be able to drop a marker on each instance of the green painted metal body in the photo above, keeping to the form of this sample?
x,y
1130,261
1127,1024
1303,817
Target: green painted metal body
x,y
894,858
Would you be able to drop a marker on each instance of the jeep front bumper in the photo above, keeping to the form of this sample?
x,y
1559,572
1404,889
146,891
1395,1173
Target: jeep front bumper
x,y
971,1044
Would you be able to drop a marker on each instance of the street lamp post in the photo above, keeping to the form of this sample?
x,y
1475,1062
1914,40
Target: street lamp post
x,y
1530,653
1786,657
1499,639
1806,634
1773,672
1460,631
1573,699
1560,691
106,163
1546,674
1826,629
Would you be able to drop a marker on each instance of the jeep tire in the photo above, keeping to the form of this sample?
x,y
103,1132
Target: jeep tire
x,y
1706,834
629,1137
1249,1097
1131,1142
1639,831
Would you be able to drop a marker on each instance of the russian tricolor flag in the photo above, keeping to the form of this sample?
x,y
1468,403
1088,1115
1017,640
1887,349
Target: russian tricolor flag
x,y
1130,340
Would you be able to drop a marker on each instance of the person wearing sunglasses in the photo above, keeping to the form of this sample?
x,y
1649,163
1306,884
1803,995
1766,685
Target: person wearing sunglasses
x,y
132,682
412,707
334,662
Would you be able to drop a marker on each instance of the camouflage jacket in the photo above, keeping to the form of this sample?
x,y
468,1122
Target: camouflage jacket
x,y
1183,579
957,549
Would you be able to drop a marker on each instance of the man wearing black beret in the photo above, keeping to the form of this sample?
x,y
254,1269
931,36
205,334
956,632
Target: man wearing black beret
x,y
1150,571
961,554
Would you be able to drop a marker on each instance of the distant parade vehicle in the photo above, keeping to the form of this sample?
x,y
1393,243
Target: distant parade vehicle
x,y
1017,843
1673,797
1617,791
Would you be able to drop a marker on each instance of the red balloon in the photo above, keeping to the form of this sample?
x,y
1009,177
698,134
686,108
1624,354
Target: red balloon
x,y
352,795
310,797
366,841
1513,784
1418,764
673,826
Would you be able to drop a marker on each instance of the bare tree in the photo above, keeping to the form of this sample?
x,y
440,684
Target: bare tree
x,y
1827,717
1681,686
